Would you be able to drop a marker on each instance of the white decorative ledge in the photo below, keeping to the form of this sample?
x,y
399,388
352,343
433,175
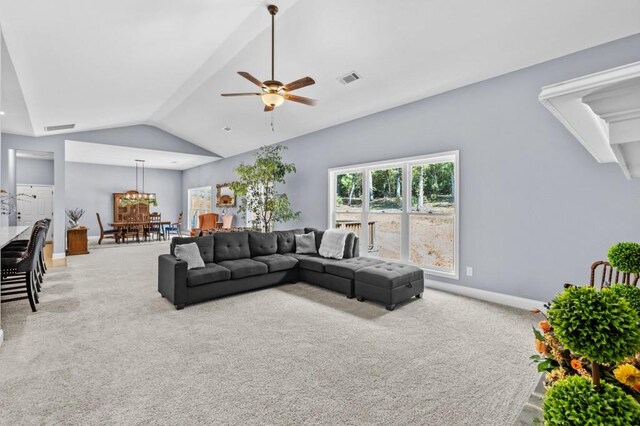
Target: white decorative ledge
x,y
602,111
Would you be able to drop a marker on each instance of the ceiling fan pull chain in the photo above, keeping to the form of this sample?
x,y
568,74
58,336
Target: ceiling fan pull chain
x,y
273,127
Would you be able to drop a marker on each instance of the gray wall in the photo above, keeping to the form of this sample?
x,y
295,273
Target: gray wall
x,y
140,136
91,187
34,172
536,208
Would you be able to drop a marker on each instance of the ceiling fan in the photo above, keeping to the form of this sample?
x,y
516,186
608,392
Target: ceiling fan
x,y
273,92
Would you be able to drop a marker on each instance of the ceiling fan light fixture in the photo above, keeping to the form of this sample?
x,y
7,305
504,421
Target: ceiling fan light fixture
x,y
273,99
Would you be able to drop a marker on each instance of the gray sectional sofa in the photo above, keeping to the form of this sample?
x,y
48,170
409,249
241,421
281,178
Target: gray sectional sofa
x,y
241,261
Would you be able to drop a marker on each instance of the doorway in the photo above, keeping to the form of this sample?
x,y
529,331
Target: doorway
x,y
35,202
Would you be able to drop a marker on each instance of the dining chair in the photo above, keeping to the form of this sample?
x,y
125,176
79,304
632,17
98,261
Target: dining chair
x,y
175,227
155,225
132,230
107,233
19,273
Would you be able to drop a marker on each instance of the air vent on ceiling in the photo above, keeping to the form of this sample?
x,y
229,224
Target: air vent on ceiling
x,y
59,127
349,78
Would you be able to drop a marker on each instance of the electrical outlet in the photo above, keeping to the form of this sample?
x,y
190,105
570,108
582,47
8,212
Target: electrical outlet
x,y
469,271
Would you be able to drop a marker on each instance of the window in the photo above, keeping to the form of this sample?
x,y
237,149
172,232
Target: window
x,y
199,203
409,212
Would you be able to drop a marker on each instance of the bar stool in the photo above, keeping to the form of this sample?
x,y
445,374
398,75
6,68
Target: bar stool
x,y
17,248
19,274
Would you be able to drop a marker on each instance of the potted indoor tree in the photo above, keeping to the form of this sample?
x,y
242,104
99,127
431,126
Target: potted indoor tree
x,y
257,186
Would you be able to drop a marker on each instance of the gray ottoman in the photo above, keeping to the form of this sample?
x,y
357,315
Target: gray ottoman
x,y
389,283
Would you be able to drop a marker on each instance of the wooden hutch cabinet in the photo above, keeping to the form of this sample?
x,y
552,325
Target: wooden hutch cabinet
x,y
128,212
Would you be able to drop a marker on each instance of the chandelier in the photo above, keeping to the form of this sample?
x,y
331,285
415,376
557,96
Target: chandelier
x,y
139,196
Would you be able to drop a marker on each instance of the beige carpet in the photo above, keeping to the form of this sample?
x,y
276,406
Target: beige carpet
x,y
105,348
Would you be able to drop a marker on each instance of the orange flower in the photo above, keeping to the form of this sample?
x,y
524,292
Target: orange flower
x,y
544,326
541,347
576,364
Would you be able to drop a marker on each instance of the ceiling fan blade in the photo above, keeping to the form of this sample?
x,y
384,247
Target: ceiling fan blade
x,y
268,108
299,84
251,78
300,99
240,94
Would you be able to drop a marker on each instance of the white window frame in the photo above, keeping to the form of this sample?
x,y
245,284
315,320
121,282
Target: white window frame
x,y
406,164
198,188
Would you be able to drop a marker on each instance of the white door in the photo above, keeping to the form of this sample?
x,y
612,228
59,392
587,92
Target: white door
x,y
35,203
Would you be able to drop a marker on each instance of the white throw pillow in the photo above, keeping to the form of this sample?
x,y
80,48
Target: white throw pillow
x,y
332,245
306,243
190,254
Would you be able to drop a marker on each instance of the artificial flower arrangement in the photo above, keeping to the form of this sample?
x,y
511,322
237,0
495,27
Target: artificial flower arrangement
x,y
589,346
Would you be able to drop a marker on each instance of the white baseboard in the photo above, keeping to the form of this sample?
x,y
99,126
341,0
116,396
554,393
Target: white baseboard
x,y
57,256
489,296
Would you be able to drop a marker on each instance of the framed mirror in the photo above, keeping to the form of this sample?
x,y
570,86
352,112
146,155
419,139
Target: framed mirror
x,y
225,197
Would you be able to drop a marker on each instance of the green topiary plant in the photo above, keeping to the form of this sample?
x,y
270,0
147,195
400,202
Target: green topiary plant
x,y
625,257
601,326
575,401
630,293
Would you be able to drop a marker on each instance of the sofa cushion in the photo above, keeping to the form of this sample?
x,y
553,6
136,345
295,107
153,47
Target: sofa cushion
x,y
190,254
306,243
262,243
349,246
287,240
231,246
315,262
242,268
205,245
298,255
277,262
347,267
211,273
389,274
318,233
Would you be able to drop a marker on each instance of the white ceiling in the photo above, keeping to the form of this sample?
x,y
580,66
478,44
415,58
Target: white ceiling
x,y
162,62
96,153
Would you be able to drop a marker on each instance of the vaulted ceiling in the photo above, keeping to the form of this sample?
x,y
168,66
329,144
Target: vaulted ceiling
x,y
164,62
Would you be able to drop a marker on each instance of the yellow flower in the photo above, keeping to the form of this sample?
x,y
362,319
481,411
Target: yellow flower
x,y
628,374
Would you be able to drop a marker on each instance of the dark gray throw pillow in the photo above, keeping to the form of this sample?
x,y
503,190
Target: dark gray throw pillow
x,y
190,254
306,243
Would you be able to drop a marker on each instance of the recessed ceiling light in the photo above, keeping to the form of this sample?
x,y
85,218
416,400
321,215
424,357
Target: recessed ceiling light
x,y
1,112
226,128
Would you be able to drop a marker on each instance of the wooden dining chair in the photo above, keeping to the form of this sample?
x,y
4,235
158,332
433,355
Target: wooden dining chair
x,y
175,227
107,233
132,230
155,225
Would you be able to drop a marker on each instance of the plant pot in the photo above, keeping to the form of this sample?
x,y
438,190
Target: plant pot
x,y
77,241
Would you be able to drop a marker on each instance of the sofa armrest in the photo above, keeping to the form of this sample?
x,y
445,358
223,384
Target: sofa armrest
x,y
172,279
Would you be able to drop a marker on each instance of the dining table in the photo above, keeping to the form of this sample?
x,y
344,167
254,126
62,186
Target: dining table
x,y
122,226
